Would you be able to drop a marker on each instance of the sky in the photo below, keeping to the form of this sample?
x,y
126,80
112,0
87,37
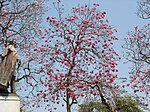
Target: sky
x,y
121,15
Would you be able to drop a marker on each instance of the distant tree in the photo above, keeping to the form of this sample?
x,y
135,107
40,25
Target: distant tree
x,y
144,9
123,104
137,46
77,56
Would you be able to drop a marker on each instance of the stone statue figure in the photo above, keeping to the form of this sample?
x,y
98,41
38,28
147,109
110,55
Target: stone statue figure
x,y
9,58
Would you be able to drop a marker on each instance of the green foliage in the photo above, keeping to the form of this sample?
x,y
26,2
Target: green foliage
x,y
127,104
124,104
89,106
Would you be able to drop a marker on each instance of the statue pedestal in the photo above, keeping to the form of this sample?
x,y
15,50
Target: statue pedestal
x,y
9,103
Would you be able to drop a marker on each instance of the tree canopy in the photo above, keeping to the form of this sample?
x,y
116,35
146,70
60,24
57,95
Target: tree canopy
x,y
124,104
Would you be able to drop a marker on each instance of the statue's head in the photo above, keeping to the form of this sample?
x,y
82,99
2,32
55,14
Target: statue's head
x,y
12,42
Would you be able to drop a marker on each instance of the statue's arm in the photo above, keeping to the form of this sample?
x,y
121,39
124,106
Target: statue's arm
x,y
12,85
19,63
1,57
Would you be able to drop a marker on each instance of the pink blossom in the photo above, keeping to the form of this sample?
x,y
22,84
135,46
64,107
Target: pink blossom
x,y
104,26
96,4
75,17
135,27
141,78
131,76
127,84
136,81
142,89
69,19
111,80
85,21
59,0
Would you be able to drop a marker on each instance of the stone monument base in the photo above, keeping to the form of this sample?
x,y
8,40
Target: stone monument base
x,y
9,103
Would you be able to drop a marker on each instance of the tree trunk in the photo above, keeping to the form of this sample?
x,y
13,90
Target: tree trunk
x,y
103,99
68,107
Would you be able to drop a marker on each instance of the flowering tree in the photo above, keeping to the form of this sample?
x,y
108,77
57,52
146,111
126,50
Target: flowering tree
x,y
77,56
20,21
144,9
137,45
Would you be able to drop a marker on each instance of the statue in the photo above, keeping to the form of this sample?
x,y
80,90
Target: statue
x,y
9,58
